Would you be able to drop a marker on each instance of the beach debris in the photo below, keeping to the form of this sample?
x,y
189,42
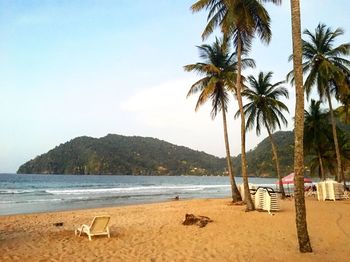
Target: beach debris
x,y
58,224
200,221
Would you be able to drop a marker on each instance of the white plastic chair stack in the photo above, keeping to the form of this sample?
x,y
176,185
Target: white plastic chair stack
x,y
271,202
338,191
320,193
329,190
259,198
241,189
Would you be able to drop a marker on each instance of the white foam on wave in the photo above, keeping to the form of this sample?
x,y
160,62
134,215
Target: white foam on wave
x,y
20,191
149,189
31,201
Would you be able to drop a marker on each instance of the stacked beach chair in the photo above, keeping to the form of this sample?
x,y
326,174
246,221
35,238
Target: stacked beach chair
x,y
329,190
271,201
266,198
259,198
241,189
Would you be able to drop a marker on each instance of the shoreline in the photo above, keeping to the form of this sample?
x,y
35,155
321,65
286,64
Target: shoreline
x,y
93,208
48,193
153,232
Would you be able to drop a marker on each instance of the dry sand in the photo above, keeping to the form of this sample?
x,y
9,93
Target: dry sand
x,y
154,232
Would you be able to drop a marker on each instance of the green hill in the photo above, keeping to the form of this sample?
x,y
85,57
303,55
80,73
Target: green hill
x,y
260,161
122,155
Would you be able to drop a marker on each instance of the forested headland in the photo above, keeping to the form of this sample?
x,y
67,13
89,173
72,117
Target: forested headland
x,y
133,155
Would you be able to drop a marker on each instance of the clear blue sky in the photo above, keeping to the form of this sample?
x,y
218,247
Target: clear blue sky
x,y
71,68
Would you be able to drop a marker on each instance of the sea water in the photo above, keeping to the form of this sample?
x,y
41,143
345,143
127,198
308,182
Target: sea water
x,y
21,194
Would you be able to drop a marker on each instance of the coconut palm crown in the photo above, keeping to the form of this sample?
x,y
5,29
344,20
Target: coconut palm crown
x,y
264,108
219,70
323,63
235,18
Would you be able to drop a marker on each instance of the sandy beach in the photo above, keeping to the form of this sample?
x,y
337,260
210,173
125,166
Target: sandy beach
x,y
153,232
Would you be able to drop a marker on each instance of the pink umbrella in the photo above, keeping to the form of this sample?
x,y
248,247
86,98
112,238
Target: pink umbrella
x,y
290,179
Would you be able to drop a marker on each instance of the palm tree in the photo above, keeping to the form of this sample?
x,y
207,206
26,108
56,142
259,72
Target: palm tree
x,y
327,69
327,163
316,134
218,69
265,109
343,112
344,148
239,20
300,210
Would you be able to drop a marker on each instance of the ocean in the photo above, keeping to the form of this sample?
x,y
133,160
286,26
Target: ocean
x,y
20,194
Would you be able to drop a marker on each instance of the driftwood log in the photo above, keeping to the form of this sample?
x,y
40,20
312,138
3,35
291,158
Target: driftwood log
x,y
200,221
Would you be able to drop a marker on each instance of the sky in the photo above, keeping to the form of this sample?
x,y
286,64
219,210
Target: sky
x,y
74,68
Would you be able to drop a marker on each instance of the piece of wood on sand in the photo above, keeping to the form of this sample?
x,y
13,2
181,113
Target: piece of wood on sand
x,y
200,221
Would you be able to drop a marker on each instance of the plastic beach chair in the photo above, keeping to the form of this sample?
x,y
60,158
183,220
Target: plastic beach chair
x,y
98,227
346,195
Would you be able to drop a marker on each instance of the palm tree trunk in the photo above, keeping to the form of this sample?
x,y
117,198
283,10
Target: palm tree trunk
x,y
321,166
300,210
343,177
247,197
275,155
335,138
236,196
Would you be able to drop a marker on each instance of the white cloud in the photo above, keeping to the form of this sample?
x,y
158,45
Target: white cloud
x,y
164,105
165,111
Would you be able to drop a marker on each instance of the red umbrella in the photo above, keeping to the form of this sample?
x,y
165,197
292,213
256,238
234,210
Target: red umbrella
x,y
290,179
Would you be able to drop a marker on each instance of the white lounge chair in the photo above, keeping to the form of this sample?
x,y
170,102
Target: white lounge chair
x,y
98,227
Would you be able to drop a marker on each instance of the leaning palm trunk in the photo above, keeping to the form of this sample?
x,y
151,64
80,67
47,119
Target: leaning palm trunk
x,y
275,155
300,210
335,138
247,197
321,167
236,196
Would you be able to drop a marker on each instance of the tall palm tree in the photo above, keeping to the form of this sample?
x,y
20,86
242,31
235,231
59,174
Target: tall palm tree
x,y
218,69
240,20
265,109
343,112
300,210
326,68
316,134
